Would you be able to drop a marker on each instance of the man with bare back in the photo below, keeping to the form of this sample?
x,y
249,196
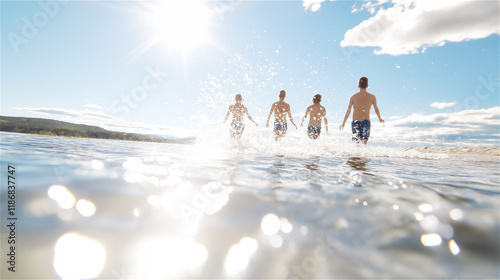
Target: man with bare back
x,y
362,103
280,109
316,114
238,110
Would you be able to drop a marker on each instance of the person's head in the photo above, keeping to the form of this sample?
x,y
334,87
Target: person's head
x,y
282,94
363,82
238,98
317,98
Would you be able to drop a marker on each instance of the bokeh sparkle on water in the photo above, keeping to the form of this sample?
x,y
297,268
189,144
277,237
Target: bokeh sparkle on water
x,y
254,209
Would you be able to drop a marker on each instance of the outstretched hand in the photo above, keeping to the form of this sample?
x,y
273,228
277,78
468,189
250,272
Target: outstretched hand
x,y
341,127
382,121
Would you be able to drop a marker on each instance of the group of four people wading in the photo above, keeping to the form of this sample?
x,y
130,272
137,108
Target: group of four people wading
x,y
361,101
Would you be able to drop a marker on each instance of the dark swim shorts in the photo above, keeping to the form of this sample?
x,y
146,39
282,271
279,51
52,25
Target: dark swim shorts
x,y
237,126
313,131
360,130
280,126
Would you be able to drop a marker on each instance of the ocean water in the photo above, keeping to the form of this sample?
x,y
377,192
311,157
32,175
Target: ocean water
x,y
248,209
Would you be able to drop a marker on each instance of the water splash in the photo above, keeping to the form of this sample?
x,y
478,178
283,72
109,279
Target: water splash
x,y
260,141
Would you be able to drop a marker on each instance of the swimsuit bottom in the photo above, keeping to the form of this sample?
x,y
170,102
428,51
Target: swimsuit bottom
x,y
280,126
360,130
237,126
313,131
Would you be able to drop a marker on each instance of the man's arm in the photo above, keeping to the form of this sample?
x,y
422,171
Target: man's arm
x,y
290,116
326,120
250,117
228,112
376,109
305,115
270,113
347,113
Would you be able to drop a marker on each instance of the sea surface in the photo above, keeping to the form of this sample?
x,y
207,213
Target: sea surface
x,y
248,209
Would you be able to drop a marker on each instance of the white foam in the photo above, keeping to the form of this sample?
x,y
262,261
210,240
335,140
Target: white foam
x,y
260,141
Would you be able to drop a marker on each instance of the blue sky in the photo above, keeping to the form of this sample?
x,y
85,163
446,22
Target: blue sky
x,y
139,66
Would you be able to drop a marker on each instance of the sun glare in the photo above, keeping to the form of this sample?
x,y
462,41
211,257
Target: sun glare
x,y
180,25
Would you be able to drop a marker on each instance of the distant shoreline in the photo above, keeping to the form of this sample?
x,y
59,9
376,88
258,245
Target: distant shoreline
x,y
455,152
48,127
187,141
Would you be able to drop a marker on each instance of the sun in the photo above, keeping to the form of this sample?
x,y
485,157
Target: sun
x,y
180,24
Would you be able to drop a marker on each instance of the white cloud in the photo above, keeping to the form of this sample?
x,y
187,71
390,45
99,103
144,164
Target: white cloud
x,y
489,116
442,105
313,4
412,26
465,128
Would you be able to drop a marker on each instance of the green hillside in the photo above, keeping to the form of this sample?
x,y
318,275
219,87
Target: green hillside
x,y
59,128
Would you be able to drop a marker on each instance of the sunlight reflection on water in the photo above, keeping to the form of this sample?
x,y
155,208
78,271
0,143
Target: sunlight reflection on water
x,y
431,239
62,196
77,257
159,258
270,224
85,207
169,211
239,255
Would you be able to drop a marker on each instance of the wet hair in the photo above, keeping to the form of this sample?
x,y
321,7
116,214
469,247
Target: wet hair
x,y
282,93
238,97
363,82
317,98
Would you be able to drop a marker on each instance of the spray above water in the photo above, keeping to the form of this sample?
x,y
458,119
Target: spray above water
x,y
260,141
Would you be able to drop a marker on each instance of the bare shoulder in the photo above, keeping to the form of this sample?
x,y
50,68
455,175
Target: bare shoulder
x,y
354,97
372,97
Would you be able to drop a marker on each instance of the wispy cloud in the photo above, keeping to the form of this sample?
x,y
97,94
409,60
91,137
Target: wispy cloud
x,y
370,6
57,112
413,26
92,106
220,8
442,105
